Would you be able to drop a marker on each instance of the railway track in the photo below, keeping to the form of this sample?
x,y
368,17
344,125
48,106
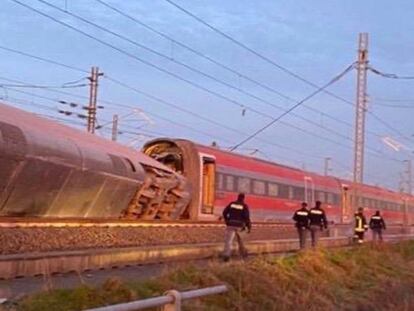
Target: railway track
x,y
19,222
43,246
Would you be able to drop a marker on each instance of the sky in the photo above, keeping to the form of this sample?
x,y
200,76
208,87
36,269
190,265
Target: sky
x,y
173,92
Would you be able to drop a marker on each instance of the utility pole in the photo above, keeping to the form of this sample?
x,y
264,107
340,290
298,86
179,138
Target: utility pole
x,y
327,166
361,102
93,95
114,127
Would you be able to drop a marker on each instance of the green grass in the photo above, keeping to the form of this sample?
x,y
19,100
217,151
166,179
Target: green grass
x,y
363,278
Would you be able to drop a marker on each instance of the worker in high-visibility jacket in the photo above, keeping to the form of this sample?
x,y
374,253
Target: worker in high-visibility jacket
x,y
360,226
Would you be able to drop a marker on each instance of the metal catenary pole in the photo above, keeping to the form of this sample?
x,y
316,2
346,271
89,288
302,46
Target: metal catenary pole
x,y
361,102
93,95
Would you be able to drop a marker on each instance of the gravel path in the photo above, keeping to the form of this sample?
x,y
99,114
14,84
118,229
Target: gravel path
x,y
29,240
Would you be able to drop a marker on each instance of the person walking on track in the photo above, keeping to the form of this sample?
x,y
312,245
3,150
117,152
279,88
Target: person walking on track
x,y
377,224
317,222
360,226
237,218
301,219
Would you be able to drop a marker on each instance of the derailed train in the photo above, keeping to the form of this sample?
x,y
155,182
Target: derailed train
x,y
51,170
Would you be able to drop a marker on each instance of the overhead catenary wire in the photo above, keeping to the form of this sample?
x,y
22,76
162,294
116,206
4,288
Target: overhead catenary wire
x,y
234,102
389,75
46,60
193,69
277,65
394,105
169,72
218,63
147,94
56,63
133,56
32,86
332,81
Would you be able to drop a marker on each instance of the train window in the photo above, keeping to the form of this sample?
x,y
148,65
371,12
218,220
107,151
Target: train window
x,y
259,187
229,183
290,192
273,189
284,191
220,181
298,193
335,199
131,165
243,185
329,198
320,196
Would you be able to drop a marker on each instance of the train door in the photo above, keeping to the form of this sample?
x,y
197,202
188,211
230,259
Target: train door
x,y
309,190
208,175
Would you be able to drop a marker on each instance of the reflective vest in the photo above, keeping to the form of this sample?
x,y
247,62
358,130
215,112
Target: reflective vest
x,y
360,223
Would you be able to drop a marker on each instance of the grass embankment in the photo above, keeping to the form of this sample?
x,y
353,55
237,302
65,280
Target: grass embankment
x,y
364,278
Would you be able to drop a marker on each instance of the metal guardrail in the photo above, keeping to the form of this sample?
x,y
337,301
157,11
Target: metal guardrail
x,y
171,301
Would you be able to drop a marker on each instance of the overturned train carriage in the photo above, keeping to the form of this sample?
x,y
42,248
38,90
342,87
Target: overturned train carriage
x,y
51,170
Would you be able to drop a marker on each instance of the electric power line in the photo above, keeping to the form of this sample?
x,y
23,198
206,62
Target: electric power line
x,y
166,71
43,86
219,64
277,65
219,95
389,75
332,81
193,69
43,59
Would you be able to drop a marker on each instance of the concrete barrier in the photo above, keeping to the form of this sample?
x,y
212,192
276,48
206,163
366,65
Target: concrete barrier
x,y
23,265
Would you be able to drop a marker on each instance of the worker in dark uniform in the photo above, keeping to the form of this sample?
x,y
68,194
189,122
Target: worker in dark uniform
x,y
377,224
237,218
360,226
301,219
317,222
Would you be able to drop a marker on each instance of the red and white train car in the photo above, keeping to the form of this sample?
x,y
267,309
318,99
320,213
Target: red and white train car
x,y
273,191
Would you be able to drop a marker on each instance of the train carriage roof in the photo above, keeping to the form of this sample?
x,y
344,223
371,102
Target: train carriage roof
x,y
28,121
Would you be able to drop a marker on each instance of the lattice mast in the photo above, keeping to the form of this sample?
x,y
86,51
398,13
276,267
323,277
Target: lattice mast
x,y
361,106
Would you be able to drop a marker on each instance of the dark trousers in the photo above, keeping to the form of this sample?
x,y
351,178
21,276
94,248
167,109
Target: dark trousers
x,y
315,232
359,237
377,234
302,233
